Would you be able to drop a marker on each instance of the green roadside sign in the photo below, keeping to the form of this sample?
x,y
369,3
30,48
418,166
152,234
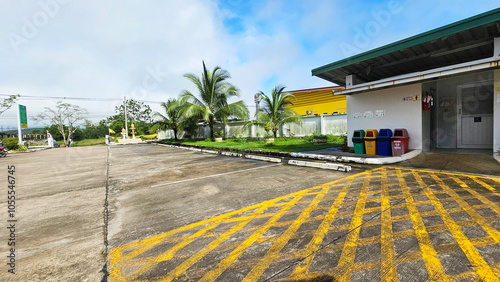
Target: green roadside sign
x,y
23,116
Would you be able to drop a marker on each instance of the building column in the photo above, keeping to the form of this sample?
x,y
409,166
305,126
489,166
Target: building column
x,y
496,109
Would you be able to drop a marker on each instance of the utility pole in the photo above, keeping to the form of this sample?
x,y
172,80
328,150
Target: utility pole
x,y
125,112
257,101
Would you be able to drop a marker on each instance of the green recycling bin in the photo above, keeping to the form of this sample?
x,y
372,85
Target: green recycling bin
x,y
358,139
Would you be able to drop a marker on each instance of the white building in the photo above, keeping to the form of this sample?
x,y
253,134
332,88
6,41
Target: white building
x,y
443,85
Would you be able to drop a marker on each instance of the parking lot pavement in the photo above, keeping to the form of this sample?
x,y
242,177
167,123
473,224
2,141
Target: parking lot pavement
x,y
155,189
58,215
385,224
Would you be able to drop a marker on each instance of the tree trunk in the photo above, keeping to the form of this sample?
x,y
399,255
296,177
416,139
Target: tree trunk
x,y
275,133
211,130
175,133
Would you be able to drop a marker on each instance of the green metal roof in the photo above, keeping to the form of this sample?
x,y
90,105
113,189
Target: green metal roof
x,y
429,36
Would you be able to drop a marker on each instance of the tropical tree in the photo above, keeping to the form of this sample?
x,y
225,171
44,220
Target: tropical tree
x,y
66,117
172,119
137,112
6,103
275,111
212,105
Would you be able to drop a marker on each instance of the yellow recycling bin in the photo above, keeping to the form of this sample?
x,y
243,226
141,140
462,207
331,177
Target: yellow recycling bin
x,y
371,141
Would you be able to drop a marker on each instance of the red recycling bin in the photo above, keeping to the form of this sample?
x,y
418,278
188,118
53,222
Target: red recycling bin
x,y
400,140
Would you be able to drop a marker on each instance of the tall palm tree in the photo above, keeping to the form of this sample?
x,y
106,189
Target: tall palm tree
x,y
274,111
172,119
212,104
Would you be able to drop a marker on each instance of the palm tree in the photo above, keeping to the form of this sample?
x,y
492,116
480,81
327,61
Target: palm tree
x,y
274,111
212,104
172,119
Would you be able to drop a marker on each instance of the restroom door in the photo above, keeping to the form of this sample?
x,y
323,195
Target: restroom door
x,y
475,116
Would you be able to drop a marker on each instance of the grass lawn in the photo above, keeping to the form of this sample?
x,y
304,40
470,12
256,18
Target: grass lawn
x,y
88,142
279,145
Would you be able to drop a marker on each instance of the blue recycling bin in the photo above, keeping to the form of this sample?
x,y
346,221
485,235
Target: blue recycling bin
x,y
384,142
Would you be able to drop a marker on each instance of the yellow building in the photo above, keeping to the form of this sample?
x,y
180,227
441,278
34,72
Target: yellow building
x,y
319,101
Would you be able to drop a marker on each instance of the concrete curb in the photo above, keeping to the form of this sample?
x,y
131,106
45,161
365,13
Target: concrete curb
x,y
262,158
332,166
210,152
360,160
231,154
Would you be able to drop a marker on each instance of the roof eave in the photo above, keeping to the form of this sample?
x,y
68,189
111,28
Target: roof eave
x,y
469,23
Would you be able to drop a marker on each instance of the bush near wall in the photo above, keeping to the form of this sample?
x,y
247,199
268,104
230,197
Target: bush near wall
x,y
11,143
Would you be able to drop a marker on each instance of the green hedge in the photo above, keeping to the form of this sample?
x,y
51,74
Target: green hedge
x,y
11,143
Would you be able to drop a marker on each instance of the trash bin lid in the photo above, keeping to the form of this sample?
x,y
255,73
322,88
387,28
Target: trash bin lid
x,y
371,134
400,133
358,134
384,133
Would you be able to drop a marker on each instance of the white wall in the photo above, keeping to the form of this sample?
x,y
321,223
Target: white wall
x,y
321,124
398,113
496,111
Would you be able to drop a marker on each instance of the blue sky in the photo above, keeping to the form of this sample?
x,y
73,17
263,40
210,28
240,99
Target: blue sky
x,y
141,49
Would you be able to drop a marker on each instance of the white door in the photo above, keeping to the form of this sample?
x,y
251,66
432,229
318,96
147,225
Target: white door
x,y
475,115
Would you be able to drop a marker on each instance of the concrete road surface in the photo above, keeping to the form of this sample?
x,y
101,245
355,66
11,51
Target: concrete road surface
x,y
180,215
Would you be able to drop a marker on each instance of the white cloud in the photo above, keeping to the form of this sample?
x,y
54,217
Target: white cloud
x,y
111,49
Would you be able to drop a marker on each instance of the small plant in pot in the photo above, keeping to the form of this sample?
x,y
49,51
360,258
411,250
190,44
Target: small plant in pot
x,y
218,136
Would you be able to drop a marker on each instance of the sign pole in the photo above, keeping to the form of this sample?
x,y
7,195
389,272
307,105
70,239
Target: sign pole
x,y
19,132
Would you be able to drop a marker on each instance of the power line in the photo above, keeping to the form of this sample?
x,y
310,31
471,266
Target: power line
x,y
28,97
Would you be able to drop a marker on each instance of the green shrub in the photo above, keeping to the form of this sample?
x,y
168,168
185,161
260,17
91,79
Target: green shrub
x,y
11,143
22,148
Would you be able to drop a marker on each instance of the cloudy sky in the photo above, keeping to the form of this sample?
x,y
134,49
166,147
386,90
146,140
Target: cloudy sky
x,y
105,50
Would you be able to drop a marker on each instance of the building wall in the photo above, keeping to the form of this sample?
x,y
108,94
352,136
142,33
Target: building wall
x,y
318,101
496,111
398,113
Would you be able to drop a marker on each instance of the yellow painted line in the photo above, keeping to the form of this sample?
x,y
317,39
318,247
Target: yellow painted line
x,y
497,179
478,196
214,244
261,266
169,254
429,254
302,268
388,270
227,261
481,267
485,185
349,251
495,234
118,260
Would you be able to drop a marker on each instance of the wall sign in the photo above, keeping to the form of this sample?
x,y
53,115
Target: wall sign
x,y
477,119
412,98
379,113
368,114
356,115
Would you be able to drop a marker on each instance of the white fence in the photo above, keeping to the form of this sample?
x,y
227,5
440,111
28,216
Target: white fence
x,y
321,124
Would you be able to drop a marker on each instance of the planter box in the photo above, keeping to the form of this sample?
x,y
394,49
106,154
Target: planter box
x,y
319,140
269,140
218,139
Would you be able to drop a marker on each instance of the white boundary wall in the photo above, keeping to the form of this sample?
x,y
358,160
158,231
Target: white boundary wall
x,y
321,124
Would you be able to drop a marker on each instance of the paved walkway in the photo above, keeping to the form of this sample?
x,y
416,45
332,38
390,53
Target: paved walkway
x,y
385,224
